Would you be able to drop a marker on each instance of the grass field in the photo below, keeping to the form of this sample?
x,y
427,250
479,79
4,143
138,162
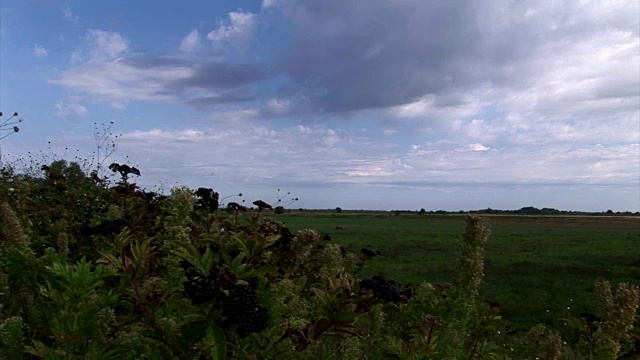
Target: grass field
x,y
539,268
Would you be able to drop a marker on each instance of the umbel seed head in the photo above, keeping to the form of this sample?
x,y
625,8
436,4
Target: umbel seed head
x,y
16,129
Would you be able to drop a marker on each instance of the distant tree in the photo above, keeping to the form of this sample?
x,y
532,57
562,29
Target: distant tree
x,y
338,209
279,209
207,199
422,211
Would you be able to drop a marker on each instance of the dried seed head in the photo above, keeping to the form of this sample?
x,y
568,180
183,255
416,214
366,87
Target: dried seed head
x,y
63,243
433,320
14,232
472,256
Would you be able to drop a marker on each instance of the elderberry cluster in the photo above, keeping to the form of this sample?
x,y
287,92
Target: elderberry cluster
x,y
108,227
382,288
241,307
199,288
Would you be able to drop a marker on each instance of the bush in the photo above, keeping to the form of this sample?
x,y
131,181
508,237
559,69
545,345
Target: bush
x,y
278,209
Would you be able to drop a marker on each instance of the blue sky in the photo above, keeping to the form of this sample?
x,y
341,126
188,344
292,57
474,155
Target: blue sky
x,y
364,105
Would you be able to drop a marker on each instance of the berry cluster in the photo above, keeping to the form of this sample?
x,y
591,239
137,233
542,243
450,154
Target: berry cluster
x,y
241,307
109,227
382,288
199,288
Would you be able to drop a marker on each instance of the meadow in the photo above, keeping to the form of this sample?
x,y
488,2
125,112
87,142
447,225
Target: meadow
x,y
539,268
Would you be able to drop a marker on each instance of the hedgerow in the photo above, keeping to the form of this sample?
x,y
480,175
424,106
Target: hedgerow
x,y
91,270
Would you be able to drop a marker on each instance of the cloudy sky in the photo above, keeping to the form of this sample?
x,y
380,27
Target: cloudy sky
x,y
360,104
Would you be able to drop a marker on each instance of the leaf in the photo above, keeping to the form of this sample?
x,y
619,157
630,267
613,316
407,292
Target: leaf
x,y
235,263
189,253
217,336
207,260
239,241
141,254
192,331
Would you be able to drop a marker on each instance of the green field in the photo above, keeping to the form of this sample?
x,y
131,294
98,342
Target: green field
x,y
539,268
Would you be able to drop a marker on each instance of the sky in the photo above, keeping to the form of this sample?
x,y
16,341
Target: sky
x,y
441,105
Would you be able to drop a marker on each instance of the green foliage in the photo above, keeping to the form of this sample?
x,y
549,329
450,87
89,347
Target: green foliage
x,y
177,280
11,338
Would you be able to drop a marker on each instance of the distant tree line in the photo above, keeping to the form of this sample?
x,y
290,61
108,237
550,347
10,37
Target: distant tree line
x,y
530,210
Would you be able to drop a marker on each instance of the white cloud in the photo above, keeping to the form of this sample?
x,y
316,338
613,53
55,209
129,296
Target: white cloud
x,y
190,42
237,31
278,106
39,51
105,69
478,147
106,44
235,115
268,3
73,109
107,76
68,14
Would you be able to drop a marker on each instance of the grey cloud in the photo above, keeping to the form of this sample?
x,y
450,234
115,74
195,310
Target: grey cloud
x,y
146,61
147,77
374,55
222,76
364,55
226,98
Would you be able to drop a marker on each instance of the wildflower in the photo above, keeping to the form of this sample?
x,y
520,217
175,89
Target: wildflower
x,y
472,256
16,129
